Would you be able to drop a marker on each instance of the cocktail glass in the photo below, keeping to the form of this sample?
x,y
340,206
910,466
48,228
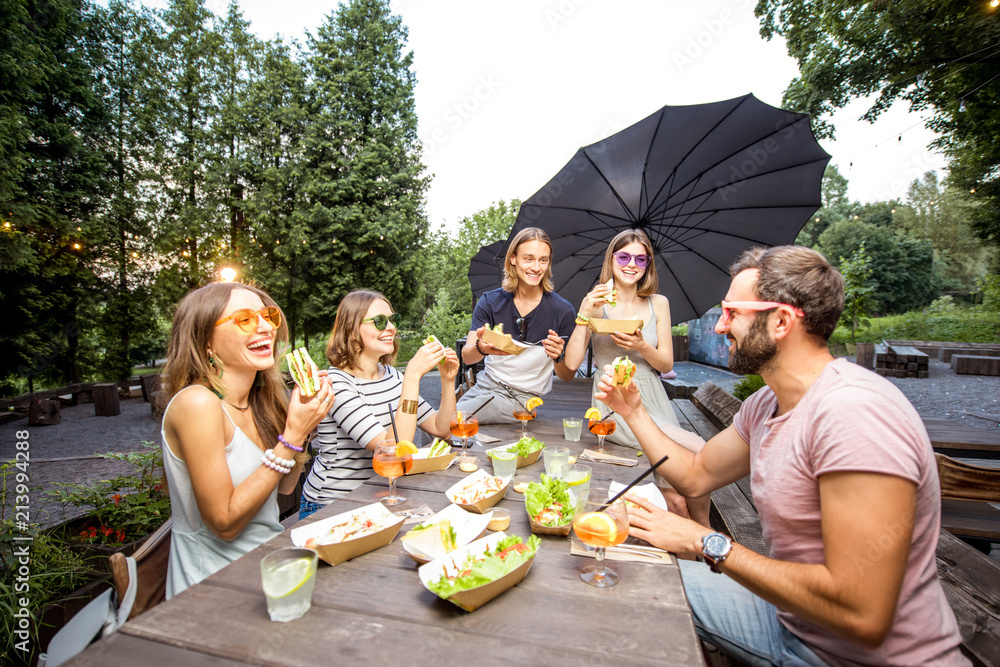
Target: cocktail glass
x,y
599,525
524,416
391,462
602,428
288,577
464,426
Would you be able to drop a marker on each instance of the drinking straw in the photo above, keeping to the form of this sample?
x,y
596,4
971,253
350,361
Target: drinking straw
x,y
392,420
636,481
481,406
508,390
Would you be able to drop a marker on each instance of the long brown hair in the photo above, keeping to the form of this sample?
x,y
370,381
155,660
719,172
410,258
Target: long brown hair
x,y
648,284
509,283
187,356
344,346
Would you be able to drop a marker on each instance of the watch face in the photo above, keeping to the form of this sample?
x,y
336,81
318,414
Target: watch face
x,y
715,545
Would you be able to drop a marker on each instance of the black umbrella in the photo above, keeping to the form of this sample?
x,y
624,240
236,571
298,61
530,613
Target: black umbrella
x,y
705,182
486,269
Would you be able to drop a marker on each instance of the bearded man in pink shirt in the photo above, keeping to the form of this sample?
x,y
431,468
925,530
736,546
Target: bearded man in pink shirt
x,y
843,477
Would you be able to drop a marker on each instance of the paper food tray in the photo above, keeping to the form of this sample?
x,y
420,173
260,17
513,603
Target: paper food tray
x,y
481,505
421,462
468,527
504,342
474,598
348,549
607,327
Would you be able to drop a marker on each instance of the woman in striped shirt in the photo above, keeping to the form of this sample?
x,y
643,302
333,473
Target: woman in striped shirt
x,y
361,349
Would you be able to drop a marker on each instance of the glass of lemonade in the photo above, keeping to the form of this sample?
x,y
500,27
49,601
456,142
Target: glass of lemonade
x,y
288,577
577,477
504,463
555,458
572,428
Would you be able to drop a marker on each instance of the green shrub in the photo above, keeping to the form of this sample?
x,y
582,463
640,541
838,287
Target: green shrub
x,y
944,323
747,386
679,329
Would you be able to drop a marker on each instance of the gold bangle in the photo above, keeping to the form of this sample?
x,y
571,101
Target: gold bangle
x,y
408,407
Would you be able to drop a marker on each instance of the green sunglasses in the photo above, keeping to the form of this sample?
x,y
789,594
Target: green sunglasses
x,y
380,321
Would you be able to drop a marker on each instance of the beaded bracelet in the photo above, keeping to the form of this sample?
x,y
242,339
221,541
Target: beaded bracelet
x,y
580,319
479,349
294,448
276,463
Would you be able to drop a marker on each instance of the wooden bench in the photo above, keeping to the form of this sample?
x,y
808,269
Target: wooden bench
x,y
971,580
945,353
901,361
967,364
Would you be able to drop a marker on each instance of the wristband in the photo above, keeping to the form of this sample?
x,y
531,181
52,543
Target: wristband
x,y
408,407
479,349
294,448
580,319
276,463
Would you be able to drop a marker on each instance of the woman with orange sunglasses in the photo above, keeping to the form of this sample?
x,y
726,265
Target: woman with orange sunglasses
x,y
232,438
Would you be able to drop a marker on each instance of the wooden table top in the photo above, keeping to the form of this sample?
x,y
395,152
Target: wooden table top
x,y
373,609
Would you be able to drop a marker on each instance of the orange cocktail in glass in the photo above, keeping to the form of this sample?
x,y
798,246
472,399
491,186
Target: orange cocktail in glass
x,y
392,461
599,525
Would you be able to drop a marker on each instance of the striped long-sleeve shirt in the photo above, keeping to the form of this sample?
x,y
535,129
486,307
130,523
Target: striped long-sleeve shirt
x,y
360,413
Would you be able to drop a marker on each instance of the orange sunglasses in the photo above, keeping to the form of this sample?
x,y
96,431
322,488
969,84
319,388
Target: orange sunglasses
x,y
246,319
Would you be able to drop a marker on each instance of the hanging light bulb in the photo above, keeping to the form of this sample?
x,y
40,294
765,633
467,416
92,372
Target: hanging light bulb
x,y
961,106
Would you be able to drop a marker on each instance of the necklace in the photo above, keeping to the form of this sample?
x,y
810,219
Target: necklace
x,y
238,407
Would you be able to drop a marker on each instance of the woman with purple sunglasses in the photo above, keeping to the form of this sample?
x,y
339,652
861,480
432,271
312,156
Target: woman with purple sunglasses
x,y
629,267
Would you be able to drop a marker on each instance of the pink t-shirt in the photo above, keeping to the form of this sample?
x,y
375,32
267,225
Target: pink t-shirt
x,y
851,420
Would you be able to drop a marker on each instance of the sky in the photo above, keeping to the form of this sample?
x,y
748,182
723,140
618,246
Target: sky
x,y
508,90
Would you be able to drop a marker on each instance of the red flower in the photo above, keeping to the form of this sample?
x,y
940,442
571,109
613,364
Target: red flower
x,y
158,487
120,535
117,498
93,531
84,533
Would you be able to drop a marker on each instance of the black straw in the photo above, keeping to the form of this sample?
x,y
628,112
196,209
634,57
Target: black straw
x,y
392,420
636,481
481,406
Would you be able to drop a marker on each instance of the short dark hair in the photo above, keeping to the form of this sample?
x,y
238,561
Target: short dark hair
x,y
800,277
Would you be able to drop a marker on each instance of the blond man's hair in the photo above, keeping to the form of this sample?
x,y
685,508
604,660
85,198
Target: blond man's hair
x,y
527,234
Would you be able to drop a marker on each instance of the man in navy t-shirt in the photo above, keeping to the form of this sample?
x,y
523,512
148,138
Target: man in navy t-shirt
x,y
533,315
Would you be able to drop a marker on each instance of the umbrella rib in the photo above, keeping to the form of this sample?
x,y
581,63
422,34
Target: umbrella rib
x,y
631,217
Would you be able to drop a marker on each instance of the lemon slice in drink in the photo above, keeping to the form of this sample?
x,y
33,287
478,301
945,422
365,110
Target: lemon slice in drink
x,y
503,455
533,403
576,477
287,578
599,524
403,448
592,413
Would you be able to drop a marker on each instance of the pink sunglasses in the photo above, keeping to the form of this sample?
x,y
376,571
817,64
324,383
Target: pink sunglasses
x,y
729,306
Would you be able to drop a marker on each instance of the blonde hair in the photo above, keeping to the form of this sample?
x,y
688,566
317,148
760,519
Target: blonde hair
x,y
344,346
527,234
649,283
188,357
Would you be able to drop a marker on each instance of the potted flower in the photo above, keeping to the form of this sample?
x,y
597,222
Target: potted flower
x,y
121,511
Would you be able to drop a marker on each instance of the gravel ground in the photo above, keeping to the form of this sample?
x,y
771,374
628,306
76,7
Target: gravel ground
x,y
66,452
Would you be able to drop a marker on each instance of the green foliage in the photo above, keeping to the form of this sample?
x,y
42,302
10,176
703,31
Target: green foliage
x,y
747,386
960,326
443,321
124,508
902,267
679,329
929,54
989,290
858,290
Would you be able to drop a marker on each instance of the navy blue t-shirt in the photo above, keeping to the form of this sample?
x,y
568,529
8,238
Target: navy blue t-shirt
x,y
552,312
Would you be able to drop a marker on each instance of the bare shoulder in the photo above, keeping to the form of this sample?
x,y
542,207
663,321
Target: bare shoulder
x,y
194,406
661,306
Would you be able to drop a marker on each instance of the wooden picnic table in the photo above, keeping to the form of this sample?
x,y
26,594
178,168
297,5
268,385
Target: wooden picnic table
x,y
956,440
374,610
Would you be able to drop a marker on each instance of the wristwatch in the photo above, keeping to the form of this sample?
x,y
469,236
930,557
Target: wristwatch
x,y
562,355
716,548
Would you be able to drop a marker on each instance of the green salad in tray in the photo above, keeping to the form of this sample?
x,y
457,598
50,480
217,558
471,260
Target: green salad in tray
x,y
548,502
487,566
526,446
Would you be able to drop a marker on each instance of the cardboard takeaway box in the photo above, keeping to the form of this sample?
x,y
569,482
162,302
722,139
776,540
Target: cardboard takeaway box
x,y
504,342
348,549
604,327
423,463
483,504
467,526
521,460
474,598
539,529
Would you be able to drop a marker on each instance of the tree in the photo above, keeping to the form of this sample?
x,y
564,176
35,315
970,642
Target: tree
x,y
836,207
938,56
363,184
858,291
902,266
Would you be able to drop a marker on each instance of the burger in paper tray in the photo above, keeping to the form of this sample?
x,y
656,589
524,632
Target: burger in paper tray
x,y
349,534
528,449
478,492
475,574
502,341
444,532
436,457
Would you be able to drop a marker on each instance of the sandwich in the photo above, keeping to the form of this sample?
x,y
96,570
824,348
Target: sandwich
x,y
439,448
434,540
623,369
498,329
612,295
304,371
431,338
